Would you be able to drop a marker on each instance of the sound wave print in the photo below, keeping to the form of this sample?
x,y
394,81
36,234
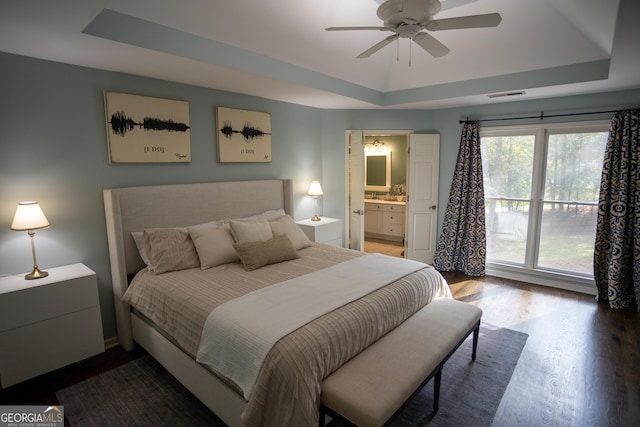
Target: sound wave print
x,y
248,132
121,124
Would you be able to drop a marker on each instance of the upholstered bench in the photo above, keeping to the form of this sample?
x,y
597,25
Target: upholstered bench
x,y
369,389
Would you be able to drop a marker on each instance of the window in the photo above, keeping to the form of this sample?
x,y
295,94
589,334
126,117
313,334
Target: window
x,y
507,165
541,195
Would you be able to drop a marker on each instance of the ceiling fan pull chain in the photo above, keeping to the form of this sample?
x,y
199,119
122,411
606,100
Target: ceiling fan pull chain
x,y
398,50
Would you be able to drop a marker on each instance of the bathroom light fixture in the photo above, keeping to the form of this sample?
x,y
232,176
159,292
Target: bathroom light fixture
x,y
29,217
315,190
376,145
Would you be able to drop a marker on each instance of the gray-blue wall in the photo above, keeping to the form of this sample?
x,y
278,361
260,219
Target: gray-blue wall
x,y
54,150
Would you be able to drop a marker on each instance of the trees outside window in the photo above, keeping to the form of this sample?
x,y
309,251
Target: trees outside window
x,y
541,194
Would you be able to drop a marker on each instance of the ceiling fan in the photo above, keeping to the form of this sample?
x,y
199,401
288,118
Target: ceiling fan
x,y
408,19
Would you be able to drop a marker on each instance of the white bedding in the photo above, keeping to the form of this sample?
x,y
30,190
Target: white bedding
x,y
287,389
238,334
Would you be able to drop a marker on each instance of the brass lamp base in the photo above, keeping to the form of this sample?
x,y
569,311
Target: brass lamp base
x,y
36,274
315,218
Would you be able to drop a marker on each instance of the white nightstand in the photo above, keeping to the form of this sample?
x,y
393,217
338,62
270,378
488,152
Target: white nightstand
x,y
48,323
327,230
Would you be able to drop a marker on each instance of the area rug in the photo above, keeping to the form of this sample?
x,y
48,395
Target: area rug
x,y
142,393
138,393
470,392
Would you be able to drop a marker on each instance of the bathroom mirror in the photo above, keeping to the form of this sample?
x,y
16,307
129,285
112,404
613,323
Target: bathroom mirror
x,y
377,171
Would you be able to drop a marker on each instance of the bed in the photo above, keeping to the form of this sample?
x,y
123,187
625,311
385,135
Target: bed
x,y
287,382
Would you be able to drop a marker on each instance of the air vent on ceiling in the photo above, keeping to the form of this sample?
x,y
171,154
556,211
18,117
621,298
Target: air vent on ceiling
x,y
502,95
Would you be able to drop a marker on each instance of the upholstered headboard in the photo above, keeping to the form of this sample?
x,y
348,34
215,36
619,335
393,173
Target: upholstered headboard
x,y
136,208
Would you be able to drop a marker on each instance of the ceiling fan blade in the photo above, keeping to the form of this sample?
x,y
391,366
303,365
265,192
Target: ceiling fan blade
x,y
431,45
376,47
472,21
357,28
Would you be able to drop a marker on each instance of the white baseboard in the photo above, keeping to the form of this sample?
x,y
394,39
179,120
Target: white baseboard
x,y
554,280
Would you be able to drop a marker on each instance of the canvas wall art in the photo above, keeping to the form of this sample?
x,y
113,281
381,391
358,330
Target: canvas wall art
x,y
143,129
243,136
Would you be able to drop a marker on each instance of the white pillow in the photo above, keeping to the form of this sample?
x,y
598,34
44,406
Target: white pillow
x,y
138,237
286,225
274,214
214,244
268,215
257,230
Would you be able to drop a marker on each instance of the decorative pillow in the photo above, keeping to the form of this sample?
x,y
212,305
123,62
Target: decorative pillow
x,y
273,214
257,254
257,230
286,225
170,249
138,237
268,215
214,244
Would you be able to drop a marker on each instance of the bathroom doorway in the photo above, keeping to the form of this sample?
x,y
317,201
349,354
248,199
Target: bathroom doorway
x,y
396,209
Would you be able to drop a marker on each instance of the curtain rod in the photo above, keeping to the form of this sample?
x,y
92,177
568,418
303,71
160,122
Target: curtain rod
x,y
541,116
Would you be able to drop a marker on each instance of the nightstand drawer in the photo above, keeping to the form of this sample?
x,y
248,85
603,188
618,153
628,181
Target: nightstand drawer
x,y
41,347
43,302
48,323
327,230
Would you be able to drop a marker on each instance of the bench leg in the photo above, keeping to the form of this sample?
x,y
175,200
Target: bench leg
x,y
436,390
476,332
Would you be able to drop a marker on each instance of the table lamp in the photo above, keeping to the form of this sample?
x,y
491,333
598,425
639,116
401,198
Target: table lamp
x,y
29,217
315,190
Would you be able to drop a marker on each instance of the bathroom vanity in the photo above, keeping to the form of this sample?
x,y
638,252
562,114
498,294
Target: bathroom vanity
x,y
384,219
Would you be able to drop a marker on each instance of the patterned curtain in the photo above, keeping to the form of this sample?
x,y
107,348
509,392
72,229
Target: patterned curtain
x,y
463,243
617,245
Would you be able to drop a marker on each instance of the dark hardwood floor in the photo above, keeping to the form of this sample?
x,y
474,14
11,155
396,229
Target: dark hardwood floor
x,y
581,363
580,366
41,390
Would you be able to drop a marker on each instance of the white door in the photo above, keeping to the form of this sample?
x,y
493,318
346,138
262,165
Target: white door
x,y
422,201
355,203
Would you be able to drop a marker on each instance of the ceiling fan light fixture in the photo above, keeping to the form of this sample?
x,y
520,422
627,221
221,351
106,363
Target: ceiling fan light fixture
x,y
408,31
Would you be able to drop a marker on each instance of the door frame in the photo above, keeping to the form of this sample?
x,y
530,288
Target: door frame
x,y
370,132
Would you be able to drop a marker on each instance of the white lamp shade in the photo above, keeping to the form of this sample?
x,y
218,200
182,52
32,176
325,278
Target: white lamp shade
x,y
315,189
29,216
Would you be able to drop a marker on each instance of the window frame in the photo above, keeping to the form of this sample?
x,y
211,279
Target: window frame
x,y
530,267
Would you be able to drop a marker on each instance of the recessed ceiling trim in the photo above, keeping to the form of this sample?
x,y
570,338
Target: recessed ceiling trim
x,y
574,73
119,27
